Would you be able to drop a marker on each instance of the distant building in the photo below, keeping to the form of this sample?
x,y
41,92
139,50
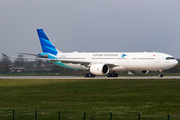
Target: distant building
x,y
17,70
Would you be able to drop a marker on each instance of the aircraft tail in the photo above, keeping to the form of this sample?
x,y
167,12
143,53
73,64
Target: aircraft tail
x,y
46,44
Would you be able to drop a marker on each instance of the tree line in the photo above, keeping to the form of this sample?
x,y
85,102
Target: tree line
x,y
39,65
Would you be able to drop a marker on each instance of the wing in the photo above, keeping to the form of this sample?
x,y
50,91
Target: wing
x,y
84,63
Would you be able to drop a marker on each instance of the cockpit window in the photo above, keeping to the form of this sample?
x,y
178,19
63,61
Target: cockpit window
x,y
169,58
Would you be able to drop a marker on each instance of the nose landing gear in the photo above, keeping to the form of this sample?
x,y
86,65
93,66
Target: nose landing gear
x,y
160,73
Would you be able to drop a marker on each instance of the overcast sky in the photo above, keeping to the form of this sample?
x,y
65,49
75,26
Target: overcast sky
x,y
91,25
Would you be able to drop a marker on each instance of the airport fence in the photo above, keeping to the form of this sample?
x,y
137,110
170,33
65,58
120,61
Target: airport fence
x,y
63,115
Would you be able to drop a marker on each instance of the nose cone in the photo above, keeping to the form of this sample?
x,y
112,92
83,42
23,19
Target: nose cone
x,y
170,64
174,63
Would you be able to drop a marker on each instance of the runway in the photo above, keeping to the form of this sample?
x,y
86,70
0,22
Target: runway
x,y
81,77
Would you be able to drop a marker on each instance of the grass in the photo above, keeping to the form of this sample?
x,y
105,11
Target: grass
x,y
146,96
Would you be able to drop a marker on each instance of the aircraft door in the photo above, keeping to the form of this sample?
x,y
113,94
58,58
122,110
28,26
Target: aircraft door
x,y
157,60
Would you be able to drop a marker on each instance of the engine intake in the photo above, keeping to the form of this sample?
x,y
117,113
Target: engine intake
x,y
99,69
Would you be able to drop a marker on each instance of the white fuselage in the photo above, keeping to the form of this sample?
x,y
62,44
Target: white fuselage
x,y
122,60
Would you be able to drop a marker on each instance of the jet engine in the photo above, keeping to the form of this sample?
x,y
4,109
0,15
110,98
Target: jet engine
x,y
99,69
139,72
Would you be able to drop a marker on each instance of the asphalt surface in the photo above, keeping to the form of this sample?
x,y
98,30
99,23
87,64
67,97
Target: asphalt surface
x,y
81,77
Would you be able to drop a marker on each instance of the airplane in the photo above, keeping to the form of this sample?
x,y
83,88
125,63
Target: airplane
x,y
104,63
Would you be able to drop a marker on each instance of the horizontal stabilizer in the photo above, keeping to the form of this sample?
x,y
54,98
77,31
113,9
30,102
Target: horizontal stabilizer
x,y
4,55
30,54
31,58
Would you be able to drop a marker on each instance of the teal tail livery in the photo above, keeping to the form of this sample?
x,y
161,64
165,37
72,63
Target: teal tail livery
x,y
103,63
48,49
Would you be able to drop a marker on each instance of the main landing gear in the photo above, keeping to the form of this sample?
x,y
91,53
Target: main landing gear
x,y
113,74
89,75
160,73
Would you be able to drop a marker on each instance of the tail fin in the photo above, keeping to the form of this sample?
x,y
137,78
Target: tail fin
x,y
46,44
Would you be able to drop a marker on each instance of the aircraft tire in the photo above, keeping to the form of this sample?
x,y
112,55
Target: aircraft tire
x,y
112,74
115,75
89,75
86,75
109,75
92,75
160,75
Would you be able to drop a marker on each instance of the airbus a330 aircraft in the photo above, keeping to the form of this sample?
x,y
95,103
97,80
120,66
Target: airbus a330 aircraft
x,y
105,63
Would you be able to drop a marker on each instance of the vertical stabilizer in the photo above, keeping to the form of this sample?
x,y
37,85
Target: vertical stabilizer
x,y
46,44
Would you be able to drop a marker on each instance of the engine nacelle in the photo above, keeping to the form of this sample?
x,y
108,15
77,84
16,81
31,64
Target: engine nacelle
x,y
99,69
139,72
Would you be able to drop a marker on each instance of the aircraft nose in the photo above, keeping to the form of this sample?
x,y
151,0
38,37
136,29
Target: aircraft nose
x,y
176,62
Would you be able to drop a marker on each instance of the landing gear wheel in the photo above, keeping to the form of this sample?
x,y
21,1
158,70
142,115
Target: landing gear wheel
x,y
160,75
92,75
108,75
113,74
88,75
